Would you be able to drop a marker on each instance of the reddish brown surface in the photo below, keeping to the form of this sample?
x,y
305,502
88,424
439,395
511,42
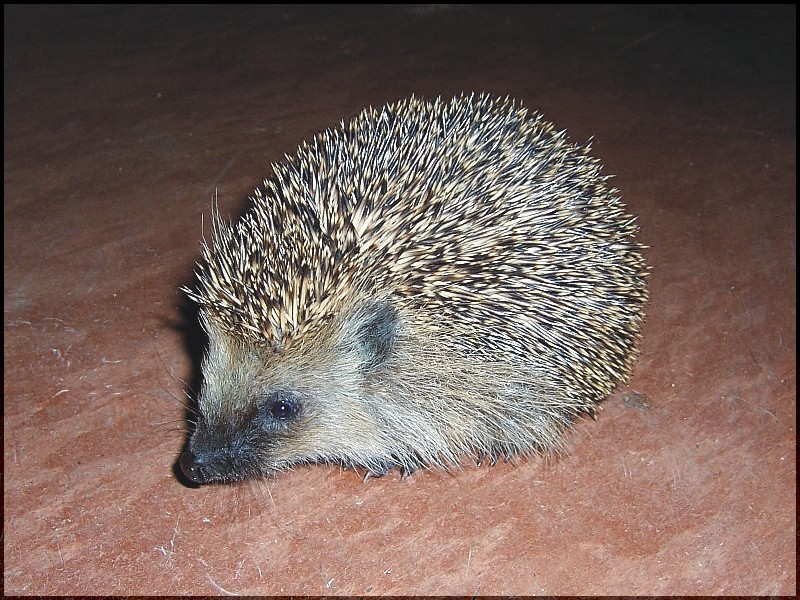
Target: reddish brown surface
x,y
121,125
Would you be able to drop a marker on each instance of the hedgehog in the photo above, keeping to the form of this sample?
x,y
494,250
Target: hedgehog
x,y
429,282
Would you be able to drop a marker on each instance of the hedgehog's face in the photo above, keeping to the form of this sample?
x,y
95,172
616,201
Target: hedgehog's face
x,y
261,411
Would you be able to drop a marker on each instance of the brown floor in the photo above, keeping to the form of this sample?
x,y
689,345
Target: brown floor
x,y
122,124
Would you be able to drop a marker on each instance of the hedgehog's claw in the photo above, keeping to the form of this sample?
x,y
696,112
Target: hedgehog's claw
x,y
376,473
483,456
406,472
372,475
493,456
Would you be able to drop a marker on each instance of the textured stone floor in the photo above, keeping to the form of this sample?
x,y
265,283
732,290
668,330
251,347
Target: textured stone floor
x,y
121,124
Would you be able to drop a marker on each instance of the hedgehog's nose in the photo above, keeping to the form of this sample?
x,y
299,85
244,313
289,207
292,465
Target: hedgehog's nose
x,y
193,467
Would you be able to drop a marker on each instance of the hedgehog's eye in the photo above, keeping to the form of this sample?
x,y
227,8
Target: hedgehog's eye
x,y
276,410
283,409
280,406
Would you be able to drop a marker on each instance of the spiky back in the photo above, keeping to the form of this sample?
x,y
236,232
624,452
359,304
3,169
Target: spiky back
x,y
477,213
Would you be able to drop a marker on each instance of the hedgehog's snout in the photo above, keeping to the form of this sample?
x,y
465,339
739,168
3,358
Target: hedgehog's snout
x,y
239,446
203,463
195,468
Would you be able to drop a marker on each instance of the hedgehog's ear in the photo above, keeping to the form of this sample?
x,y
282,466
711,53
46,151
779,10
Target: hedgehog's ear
x,y
377,326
